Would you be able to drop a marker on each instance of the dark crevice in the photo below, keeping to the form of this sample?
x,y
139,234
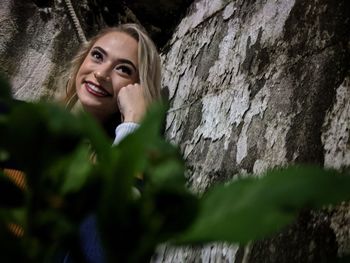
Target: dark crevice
x,y
304,241
158,17
314,94
43,3
323,45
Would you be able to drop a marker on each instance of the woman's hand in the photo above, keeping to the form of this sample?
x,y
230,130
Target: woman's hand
x,y
132,103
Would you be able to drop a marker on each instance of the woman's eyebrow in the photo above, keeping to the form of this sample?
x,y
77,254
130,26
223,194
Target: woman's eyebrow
x,y
122,60
101,50
126,61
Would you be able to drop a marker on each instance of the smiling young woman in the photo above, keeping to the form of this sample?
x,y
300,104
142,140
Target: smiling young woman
x,y
110,66
115,76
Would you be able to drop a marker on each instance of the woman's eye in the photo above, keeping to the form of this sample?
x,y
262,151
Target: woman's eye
x,y
96,55
124,70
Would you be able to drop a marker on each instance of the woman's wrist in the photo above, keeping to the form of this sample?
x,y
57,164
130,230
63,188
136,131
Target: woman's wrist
x,y
123,130
132,117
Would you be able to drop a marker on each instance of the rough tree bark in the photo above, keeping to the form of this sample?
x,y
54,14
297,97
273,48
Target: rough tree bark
x,y
36,43
259,84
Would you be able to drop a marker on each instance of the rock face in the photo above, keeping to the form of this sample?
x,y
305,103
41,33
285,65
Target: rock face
x,y
37,41
252,85
259,84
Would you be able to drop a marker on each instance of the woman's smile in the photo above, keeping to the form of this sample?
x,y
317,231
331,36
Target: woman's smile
x,y
96,90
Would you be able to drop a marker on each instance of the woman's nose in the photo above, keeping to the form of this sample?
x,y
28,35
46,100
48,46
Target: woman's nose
x,y
102,75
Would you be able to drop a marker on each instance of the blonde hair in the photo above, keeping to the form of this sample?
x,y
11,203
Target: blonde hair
x,y
148,60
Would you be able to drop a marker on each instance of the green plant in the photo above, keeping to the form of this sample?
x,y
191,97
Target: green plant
x,y
53,148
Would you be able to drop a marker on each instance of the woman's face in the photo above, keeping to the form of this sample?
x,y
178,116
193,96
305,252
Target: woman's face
x,y
111,64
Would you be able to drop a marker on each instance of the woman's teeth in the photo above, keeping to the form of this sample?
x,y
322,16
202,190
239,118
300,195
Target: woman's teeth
x,y
96,89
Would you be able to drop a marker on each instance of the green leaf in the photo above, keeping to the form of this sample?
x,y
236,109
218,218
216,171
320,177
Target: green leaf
x,y
98,139
77,172
173,208
344,259
252,208
167,173
37,135
130,158
13,215
152,124
119,214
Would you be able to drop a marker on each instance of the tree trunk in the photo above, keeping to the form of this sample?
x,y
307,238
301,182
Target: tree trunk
x,y
255,85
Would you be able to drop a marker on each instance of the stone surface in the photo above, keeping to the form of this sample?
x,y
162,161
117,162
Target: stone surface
x,y
35,46
336,135
259,84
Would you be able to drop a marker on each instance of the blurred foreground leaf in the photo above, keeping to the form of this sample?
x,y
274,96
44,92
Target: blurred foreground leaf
x,y
73,173
131,228
344,259
36,135
252,208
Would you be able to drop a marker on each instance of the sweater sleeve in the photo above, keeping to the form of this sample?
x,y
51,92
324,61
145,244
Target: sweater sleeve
x,y
123,130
